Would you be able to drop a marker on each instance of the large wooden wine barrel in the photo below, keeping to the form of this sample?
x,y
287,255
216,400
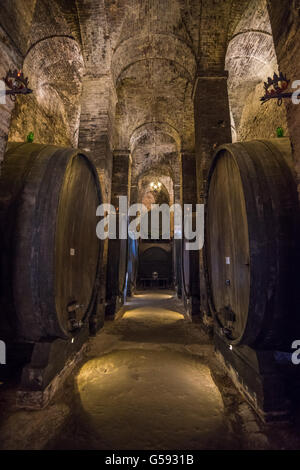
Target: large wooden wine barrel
x,y
252,243
50,254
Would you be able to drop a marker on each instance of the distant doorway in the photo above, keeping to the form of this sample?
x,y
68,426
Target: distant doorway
x,y
155,268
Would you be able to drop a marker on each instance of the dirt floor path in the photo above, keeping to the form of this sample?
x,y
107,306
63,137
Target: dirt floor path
x,y
148,380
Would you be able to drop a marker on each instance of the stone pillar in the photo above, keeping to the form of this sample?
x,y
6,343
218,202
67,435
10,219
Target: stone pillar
x,y
188,179
189,259
177,182
134,193
176,244
212,128
94,131
284,19
94,138
117,249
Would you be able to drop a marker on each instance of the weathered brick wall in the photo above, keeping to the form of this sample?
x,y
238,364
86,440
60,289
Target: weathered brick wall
x,y
54,67
95,128
188,178
9,57
260,121
212,121
250,60
285,23
15,23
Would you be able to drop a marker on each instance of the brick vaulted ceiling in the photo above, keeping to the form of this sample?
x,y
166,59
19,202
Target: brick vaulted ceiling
x,y
149,51
139,60
144,55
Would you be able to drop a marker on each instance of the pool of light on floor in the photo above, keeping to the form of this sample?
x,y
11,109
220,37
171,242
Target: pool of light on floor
x,y
155,314
150,399
154,296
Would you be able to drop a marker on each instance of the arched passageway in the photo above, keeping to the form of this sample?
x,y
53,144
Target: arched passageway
x,y
117,344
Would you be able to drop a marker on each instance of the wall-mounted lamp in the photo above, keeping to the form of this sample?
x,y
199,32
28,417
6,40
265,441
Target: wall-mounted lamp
x,y
17,84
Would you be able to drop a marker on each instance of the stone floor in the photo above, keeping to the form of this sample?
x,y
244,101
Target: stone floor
x,y
148,380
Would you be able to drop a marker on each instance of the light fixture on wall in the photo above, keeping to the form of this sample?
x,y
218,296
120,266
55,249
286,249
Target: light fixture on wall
x,y
17,84
155,186
276,88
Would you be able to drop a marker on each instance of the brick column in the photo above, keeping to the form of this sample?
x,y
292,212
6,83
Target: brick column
x,y
94,138
117,249
189,196
212,128
176,244
188,179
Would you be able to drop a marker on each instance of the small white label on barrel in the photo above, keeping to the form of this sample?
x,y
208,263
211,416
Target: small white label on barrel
x,y
227,259
72,251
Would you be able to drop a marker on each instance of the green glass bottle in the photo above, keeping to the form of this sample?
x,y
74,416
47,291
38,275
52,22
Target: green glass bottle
x,y
279,132
30,137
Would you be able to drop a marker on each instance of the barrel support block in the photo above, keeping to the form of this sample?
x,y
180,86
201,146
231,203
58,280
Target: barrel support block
x,y
191,305
51,363
256,375
97,318
114,305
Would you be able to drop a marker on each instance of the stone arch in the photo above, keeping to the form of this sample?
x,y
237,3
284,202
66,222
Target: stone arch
x,y
145,190
153,68
151,127
250,59
54,66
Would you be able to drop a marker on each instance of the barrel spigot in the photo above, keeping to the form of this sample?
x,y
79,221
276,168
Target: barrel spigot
x,y
72,308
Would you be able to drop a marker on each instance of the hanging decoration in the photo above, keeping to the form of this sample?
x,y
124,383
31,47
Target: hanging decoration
x,y
276,88
17,84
